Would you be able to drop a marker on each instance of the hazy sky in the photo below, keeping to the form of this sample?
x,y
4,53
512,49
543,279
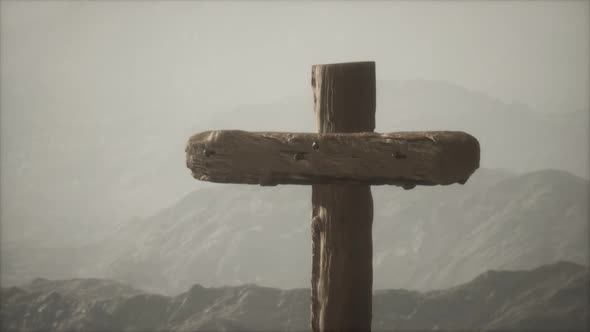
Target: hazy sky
x,y
183,52
96,96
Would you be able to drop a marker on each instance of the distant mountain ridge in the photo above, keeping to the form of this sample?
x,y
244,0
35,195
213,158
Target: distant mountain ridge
x,y
549,298
426,238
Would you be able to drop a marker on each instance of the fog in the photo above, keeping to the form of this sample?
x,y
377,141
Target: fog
x,y
99,98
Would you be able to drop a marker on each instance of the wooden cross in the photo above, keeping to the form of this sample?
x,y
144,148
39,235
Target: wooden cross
x,y
341,163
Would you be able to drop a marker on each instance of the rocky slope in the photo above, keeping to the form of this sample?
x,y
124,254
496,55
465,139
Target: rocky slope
x,y
552,298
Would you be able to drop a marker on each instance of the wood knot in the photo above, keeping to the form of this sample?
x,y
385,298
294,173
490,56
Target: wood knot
x,y
208,153
316,225
315,145
298,156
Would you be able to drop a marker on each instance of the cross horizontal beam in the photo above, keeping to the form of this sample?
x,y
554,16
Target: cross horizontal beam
x,y
270,158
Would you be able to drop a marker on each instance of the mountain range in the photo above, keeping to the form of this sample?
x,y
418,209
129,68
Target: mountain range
x,y
552,297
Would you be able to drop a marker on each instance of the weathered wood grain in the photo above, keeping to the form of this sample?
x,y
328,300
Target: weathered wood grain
x,y
342,214
270,158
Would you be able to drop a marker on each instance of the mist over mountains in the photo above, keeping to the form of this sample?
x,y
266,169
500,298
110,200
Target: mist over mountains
x,y
426,238
108,168
64,224
525,208
103,228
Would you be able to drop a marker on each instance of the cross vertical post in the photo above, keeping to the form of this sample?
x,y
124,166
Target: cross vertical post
x,y
342,214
